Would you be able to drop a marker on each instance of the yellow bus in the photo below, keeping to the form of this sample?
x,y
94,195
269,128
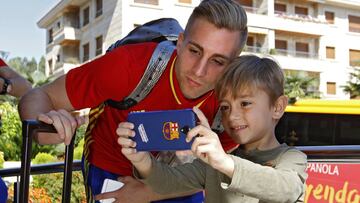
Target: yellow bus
x,y
328,131
318,122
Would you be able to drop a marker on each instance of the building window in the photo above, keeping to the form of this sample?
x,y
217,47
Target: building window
x,y
354,23
99,8
280,8
246,3
58,24
185,1
152,2
331,88
329,16
86,52
330,52
58,58
302,49
99,43
354,57
50,33
250,41
281,44
50,67
301,10
86,16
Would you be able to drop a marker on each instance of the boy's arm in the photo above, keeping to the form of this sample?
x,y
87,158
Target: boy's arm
x,y
284,183
188,177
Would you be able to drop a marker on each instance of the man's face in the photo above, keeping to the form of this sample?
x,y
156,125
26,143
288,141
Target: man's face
x,y
203,54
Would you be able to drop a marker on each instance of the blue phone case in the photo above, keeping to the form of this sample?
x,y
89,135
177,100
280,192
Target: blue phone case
x,y
162,130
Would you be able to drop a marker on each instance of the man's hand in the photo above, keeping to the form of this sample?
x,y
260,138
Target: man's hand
x,y
207,146
133,191
64,122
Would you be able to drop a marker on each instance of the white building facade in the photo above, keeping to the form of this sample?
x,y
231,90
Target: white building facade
x,y
316,38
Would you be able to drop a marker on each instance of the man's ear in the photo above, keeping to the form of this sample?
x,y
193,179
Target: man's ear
x,y
279,107
180,40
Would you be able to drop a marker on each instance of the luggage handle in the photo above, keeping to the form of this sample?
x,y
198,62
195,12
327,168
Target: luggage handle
x,y
29,127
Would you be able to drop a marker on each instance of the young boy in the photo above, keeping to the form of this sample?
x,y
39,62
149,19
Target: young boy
x,y
251,95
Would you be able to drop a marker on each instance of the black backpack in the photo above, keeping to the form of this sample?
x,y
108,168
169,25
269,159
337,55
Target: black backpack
x,y
165,32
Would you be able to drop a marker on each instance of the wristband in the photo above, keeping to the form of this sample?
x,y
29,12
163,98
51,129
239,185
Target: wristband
x,y
6,84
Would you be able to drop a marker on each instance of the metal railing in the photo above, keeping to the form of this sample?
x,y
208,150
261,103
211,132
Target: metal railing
x,y
340,153
299,54
337,152
39,169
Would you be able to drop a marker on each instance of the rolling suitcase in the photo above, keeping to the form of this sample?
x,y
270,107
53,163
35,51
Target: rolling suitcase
x,y
29,127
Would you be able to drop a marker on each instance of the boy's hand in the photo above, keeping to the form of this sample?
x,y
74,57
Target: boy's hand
x,y
207,146
141,160
125,131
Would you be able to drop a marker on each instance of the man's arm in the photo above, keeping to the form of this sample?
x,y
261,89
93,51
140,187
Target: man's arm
x,y
51,105
143,192
19,85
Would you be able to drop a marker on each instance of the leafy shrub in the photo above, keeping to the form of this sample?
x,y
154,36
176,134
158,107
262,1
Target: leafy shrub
x,y
43,158
10,132
11,136
53,183
2,160
79,150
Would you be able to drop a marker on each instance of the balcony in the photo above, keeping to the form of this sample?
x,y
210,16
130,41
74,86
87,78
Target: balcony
x,y
67,35
298,54
300,23
255,49
255,10
306,61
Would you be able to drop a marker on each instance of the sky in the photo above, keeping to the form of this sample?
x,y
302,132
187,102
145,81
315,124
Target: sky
x,y
19,33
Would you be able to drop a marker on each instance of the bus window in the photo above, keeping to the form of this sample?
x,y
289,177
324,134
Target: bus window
x,y
320,123
348,130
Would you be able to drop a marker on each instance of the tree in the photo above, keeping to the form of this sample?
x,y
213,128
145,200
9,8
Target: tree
x,y
352,86
297,86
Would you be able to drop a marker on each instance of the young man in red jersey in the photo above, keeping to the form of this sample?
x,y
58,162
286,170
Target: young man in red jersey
x,y
215,34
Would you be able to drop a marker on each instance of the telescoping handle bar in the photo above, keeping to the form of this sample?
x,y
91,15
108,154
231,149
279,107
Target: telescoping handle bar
x,y
29,127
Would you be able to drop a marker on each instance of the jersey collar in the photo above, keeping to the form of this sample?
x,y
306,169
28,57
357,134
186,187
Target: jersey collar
x,y
179,97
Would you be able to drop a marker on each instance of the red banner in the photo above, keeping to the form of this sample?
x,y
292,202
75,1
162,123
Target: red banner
x,y
333,183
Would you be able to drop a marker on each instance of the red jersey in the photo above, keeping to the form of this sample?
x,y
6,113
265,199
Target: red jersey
x,y
2,63
114,76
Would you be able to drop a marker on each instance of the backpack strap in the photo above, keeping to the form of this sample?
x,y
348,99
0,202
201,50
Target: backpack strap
x,y
152,74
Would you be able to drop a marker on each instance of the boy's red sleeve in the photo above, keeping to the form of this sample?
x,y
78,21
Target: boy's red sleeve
x,y
227,143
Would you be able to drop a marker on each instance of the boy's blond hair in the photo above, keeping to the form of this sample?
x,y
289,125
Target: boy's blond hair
x,y
227,14
250,71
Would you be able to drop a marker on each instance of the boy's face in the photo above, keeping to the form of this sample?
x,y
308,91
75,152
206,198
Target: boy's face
x,y
203,54
249,119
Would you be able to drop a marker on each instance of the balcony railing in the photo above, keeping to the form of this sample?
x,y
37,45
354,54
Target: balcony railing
x,y
255,49
299,17
301,54
251,9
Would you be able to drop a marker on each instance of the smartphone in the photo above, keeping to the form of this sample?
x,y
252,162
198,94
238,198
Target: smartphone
x,y
109,186
162,130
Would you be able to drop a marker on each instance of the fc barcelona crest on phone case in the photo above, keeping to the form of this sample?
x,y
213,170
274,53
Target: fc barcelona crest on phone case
x,y
162,130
